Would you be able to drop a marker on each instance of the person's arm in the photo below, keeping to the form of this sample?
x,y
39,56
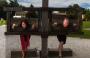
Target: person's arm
x,y
33,26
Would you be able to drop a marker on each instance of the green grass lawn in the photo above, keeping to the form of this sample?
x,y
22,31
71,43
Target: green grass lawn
x,y
86,24
86,34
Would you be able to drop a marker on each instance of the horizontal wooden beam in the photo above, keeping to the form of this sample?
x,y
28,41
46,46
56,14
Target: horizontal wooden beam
x,y
12,8
39,33
34,9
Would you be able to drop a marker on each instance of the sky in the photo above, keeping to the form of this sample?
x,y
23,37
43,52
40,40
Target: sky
x,y
56,3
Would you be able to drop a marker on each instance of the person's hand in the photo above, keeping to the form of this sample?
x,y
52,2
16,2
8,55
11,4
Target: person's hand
x,y
13,25
54,24
33,26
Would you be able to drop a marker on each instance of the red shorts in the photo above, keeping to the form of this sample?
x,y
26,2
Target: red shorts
x,y
25,43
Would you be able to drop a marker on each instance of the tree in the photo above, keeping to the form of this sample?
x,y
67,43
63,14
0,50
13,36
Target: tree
x,y
13,3
87,14
31,13
70,10
3,13
73,11
3,3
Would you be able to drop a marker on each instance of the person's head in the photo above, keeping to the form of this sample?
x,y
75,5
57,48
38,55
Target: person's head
x,y
24,24
65,22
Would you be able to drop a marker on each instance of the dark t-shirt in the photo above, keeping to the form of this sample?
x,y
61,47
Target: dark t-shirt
x,y
62,30
25,33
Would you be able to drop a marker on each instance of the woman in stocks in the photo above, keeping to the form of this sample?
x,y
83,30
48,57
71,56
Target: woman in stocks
x,y
61,36
24,36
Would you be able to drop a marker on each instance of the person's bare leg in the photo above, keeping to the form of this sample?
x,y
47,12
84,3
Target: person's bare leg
x,y
60,48
26,49
23,54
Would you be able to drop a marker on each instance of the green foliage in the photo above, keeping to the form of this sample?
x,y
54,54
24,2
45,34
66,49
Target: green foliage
x,y
73,10
87,14
2,21
13,3
3,3
31,14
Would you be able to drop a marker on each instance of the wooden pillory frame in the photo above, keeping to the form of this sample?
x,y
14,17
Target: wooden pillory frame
x,y
44,17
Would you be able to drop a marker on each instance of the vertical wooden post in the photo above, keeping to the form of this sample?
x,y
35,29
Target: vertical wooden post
x,y
79,14
80,21
44,35
8,21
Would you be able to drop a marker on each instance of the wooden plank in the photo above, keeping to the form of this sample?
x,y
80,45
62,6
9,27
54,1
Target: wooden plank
x,y
67,52
29,53
54,52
